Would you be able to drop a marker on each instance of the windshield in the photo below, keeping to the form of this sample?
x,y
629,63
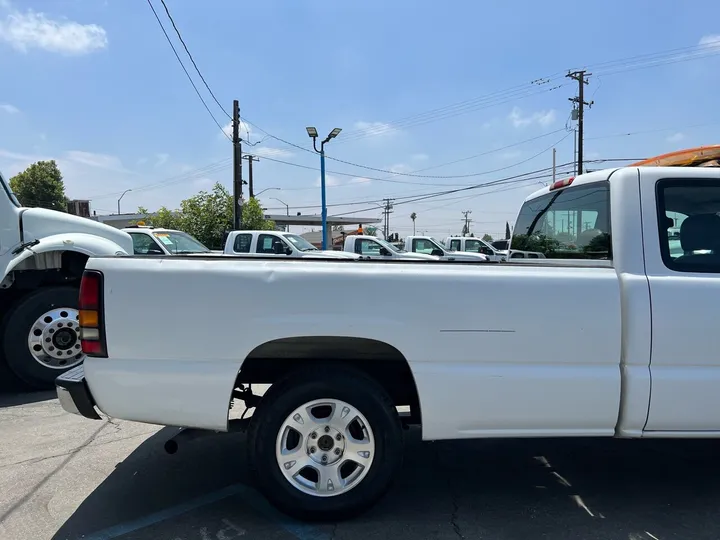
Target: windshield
x,y
179,242
389,246
299,242
9,192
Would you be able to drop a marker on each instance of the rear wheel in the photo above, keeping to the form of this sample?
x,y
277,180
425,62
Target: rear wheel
x,y
41,336
325,443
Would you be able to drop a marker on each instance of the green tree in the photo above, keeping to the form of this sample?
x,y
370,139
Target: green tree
x,y
487,237
41,184
370,230
207,215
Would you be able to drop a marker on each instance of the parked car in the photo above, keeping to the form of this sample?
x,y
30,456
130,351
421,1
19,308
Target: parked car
x,y
148,240
371,247
276,243
611,335
430,246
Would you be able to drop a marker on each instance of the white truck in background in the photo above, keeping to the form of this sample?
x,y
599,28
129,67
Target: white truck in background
x,y
42,257
371,247
634,355
478,245
149,240
429,246
275,243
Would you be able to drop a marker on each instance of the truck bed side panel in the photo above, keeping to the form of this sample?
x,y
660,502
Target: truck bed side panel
x,y
495,350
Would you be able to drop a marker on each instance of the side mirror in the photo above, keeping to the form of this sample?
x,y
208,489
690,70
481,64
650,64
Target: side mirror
x,y
384,252
437,252
288,251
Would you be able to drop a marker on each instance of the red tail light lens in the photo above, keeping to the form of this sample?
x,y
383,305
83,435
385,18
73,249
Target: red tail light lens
x,y
562,183
92,330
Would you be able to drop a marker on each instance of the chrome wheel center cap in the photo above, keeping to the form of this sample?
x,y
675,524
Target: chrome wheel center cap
x,y
325,445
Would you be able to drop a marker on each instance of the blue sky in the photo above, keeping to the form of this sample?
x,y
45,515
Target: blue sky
x,y
95,85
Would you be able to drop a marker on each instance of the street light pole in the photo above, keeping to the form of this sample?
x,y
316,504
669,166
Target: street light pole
x,y
287,210
312,132
264,190
120,199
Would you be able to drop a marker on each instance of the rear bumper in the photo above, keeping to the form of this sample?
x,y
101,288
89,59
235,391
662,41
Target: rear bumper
x,y
74,394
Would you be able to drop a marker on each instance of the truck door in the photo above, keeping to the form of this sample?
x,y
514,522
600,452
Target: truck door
x,y
684,279
9,225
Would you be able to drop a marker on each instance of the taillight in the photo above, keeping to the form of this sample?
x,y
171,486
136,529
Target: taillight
x,y
92,333
562,183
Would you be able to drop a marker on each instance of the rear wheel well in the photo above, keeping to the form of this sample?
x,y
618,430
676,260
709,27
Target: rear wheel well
x,y
268,362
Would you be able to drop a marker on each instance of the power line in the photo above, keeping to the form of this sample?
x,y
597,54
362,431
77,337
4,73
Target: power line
x,y
167,11
186,71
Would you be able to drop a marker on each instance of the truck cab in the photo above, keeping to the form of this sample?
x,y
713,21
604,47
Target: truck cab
x,y
474,245
277,243
429,246
371,247
42,257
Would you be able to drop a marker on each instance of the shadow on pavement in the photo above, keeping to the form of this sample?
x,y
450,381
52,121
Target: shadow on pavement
x,y
505,489
12,399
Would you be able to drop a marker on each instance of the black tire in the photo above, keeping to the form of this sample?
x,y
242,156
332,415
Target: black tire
x,y
325,382
16,327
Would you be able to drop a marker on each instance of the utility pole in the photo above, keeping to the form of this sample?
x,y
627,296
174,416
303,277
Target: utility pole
x,y
387,210
581,78
237,167
466,229
554,165
250,158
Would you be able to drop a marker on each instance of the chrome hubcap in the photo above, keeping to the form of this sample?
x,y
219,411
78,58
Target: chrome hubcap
x,y
54,339
325,447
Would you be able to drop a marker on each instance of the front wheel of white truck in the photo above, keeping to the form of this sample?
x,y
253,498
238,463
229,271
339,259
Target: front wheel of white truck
x,y
325,443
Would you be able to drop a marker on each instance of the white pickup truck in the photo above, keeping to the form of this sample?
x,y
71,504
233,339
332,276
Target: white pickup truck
x,y
274,243
371,247
148,240
614,334
430,246
42,257
478,245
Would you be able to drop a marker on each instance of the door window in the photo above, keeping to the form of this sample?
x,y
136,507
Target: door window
x,y
689,224
270,245
455,245
367,247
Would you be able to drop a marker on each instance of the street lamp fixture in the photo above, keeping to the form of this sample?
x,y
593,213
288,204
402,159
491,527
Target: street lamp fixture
x,y
287,208
266,189
120,199
313,133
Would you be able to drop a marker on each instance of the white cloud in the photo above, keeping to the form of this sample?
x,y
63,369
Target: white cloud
x,y
272,152
161,159
542,118
100,161
330,181
34,30
400,168
710,41
510,154
360,180
373,129
10,109
245,130
420,157
676,137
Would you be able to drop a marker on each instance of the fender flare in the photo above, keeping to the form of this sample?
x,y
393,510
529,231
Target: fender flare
x,y
87,244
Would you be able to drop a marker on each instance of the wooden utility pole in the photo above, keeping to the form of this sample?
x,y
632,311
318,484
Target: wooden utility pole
x,y
387,210
581,78
237,167
466,229
250,158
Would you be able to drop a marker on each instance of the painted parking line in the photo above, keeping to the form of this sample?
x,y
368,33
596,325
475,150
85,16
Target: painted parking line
x,y
251,497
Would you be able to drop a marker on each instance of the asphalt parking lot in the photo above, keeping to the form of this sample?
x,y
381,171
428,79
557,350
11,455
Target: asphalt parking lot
x,y
62,477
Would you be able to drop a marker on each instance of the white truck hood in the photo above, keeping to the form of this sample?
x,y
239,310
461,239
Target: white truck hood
x,y
421,256
329,254
39,223
466,256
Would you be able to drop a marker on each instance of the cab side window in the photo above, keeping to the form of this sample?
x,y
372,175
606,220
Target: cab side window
x,y
689,224
420,245
242,243
455,245
367,247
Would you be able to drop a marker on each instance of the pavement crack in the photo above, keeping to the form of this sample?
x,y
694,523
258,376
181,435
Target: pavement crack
x,y
453,497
